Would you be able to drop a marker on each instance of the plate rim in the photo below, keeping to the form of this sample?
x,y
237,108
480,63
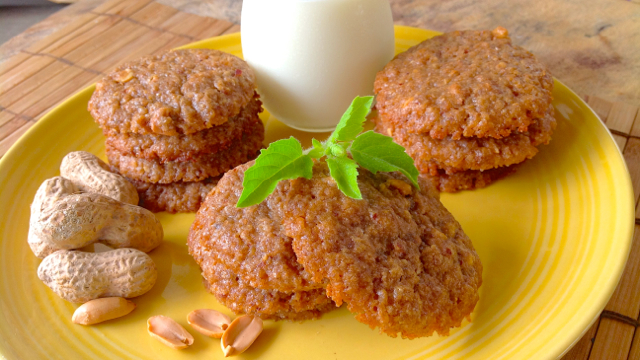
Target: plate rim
x,y
612,281
628,232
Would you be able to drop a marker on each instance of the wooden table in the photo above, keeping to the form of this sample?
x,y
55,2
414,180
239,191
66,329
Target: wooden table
x,y
591,45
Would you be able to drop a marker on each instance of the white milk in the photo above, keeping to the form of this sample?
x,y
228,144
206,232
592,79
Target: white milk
x,y
312,57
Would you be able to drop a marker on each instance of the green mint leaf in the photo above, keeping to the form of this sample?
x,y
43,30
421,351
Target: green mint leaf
x,y
317,144
282,160
285,159
345,172
350,124
317,151
377,152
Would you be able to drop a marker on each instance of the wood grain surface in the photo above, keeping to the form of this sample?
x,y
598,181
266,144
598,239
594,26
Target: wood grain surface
x,y
586,48
588,44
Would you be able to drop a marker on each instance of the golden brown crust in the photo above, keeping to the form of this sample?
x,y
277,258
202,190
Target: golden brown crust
x,y
180,197
464,84
472,153
176,92
454,180
401,263
198,169
187,147
241,298
249,241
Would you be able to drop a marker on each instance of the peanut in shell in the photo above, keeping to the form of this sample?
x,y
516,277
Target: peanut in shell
x,y
80,276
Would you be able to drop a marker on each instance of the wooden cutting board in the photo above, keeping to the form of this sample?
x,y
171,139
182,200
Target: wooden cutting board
x,y
39,77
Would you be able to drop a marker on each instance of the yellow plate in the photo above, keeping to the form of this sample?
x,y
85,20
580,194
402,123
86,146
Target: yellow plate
x,y
553,239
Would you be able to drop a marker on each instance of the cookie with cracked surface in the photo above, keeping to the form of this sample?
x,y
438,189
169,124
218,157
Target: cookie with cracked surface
x,y
204,166
454,180
234,293
472,153
464,84
250,241
165,148
176,92
179,197
399,260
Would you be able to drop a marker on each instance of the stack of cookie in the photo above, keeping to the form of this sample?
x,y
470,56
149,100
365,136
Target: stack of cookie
x,y
396,257
468,107
175,122
246,257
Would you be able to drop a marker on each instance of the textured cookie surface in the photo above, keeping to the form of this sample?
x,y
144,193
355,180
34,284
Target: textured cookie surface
x,y
454,180
198,169
177,92
249,241
180,197
464,84
234,293
472,153
399,260
187,147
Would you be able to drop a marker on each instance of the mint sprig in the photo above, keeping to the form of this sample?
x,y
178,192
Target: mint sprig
x,y
285,159
376,152
282,160
350,124
345,172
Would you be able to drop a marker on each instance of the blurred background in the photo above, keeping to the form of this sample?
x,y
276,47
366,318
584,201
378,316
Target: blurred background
x,y
18,15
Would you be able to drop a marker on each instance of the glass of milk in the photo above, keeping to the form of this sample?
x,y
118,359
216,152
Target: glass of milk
x,y
312,57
